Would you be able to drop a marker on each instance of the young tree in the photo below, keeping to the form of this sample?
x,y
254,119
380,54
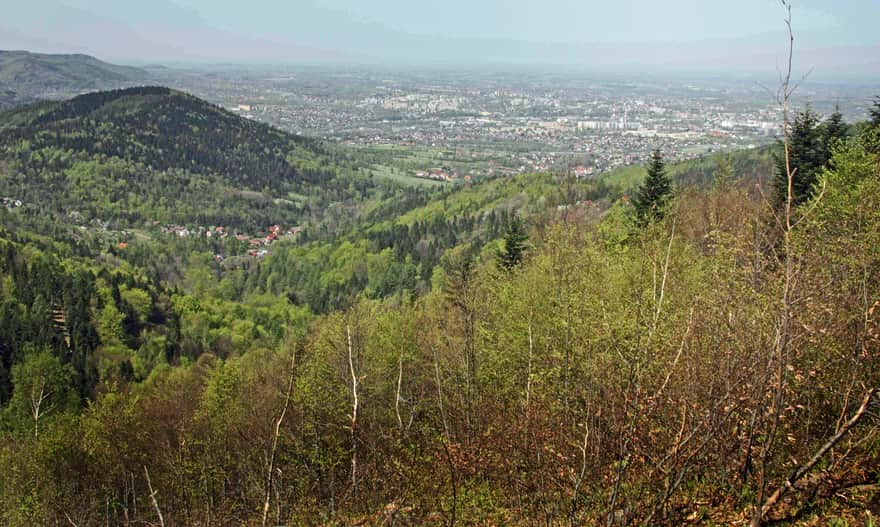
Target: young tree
x,y
460,289
514,245
42,387
652,197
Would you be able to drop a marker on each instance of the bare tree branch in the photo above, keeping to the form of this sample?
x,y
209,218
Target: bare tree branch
x,y
153,497
807,467
354,409
270,469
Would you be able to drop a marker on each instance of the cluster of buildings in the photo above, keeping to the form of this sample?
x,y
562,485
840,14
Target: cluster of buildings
x,y
582,172
767,128
518,122
441,174
257,244
10,203
428,103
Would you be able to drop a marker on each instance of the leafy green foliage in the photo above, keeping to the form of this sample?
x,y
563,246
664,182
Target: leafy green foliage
x,y
44,388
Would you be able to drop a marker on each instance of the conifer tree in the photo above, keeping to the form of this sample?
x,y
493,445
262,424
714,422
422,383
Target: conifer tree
x,y
723,176
834,130
652,197
808,155
515,240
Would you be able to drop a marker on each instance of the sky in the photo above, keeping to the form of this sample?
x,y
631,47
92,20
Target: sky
x,y
601,20
598,33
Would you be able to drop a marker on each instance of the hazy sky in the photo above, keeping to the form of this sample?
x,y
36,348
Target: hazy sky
x,y
589,32
611,20
583,21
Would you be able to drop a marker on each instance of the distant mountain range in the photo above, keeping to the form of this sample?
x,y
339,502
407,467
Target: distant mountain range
x,y
35,74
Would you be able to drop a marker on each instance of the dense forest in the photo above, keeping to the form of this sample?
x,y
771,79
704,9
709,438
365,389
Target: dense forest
x,y
700,347
128,157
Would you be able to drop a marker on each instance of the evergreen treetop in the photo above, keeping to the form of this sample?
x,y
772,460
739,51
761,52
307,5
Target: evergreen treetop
x,y
515,240
807,156
834,130
652,197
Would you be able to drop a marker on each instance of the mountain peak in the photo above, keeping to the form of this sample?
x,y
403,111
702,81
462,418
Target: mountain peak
x,y
165,129
38,72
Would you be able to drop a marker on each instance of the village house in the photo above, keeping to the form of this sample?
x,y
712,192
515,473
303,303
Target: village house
x,y
580,171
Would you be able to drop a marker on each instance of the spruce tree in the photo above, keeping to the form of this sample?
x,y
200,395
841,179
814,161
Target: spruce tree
x,y
807,153
723,176
515,240
834,130
652,197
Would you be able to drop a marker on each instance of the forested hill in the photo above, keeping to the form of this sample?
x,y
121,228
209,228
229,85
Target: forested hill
x,y
165,129
152,160
155,154
37,72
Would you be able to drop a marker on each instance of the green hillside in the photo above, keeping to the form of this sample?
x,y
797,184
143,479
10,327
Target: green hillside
x,y
135,161
36,73
152,154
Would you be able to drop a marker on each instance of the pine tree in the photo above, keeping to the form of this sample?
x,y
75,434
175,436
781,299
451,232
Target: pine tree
x,y
515,241
807,155
834,130
652,197
723,176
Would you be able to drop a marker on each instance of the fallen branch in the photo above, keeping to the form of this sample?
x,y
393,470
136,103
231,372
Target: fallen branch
x,y
804,469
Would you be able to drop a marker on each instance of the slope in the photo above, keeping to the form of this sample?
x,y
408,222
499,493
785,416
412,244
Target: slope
x,y
154,154
36,73
397,243
129,159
